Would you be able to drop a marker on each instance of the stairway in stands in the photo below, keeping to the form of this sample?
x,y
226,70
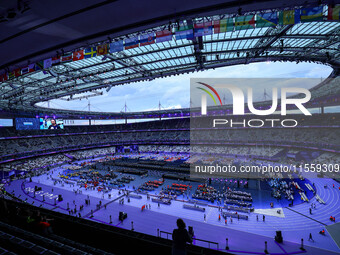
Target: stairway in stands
x,y
14,240
307,156
280,154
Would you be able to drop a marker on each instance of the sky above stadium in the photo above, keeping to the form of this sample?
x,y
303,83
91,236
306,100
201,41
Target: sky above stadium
x,y
174,92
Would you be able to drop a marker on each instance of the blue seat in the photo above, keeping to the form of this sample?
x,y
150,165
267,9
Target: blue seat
x,y
43,239
3,251
68,248
50,253
17,240
79,252
6,236
27,244
39,250
57,244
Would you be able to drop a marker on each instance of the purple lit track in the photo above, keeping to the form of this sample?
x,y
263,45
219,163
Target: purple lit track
x,y
245,237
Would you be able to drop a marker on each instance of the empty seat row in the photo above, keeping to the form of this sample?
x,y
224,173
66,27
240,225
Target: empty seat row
x,y
22,246
6,252
81,246
54,242
38,244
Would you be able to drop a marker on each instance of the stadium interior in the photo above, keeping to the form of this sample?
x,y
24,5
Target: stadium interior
x,y
119,188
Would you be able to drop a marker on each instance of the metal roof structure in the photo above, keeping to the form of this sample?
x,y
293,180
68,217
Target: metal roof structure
x,y
317,41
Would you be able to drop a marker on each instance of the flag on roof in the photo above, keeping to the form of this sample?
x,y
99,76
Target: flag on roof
x,y
266,19
184,32
147,39
55,60
102,49
223,25
116,46
203,29
311,14
24,70
39,65
31,68
78,55
47,63
333,12
245,22
67,57
11,75
131,43
90,52
3,77
17,72
163,36
289,17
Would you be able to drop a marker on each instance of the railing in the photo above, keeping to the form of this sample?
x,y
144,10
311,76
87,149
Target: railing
x,y
160,232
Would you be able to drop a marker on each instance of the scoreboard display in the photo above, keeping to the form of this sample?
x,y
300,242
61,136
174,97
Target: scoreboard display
x,y
38,123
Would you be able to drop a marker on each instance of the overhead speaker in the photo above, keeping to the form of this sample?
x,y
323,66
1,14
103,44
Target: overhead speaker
x,y
200,43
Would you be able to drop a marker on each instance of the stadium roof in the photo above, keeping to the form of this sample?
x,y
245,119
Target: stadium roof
x,y
244,38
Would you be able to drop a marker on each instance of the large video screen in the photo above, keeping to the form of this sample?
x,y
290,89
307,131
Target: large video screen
x,y
51,123
26,123
38,123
